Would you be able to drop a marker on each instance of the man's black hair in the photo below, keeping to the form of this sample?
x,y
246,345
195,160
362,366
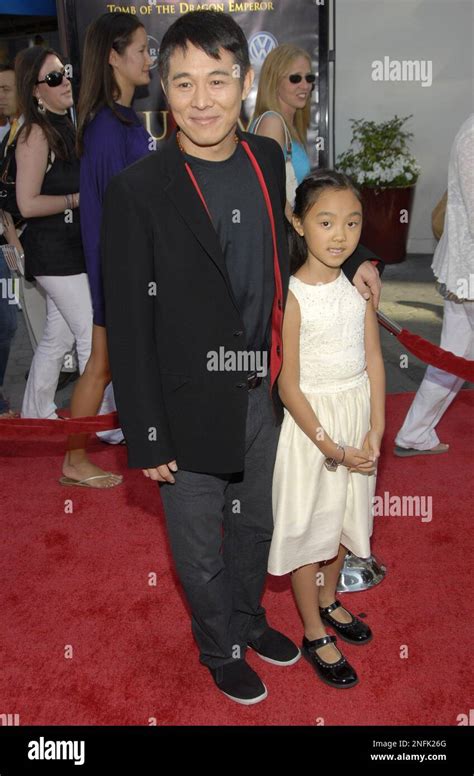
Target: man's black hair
x,y
209,31
6,67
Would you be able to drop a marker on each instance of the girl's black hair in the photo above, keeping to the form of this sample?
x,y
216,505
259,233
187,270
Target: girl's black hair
x,y
307,193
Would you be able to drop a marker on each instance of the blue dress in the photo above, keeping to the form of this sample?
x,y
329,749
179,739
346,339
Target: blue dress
x,y
299,157
109,147
299,160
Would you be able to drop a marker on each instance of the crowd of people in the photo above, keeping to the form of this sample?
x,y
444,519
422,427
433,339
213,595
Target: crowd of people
x,y
147,261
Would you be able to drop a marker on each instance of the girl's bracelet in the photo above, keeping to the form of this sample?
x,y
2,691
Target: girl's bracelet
x,y
331,464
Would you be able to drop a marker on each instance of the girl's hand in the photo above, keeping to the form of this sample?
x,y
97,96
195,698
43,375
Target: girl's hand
x,y
357,460
371,449
372,442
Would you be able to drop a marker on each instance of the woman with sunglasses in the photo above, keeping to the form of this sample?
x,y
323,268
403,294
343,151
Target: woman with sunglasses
x,y
282,109
47,188
110,137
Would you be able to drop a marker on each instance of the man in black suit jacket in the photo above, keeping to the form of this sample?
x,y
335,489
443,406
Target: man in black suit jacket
x,y
196,269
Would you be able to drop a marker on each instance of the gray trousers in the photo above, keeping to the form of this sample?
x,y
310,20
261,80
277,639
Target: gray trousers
x,y
220,528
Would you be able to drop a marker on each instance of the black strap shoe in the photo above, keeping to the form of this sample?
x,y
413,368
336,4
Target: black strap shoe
x,y
239,682
339,675
276,648
354,632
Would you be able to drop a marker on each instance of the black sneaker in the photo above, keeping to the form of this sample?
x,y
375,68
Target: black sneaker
x,y
275,648
239,682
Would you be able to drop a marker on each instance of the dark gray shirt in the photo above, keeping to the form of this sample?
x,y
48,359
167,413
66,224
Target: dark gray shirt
x,y
237,207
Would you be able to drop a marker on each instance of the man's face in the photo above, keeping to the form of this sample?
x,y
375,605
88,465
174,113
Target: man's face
x,y
8,101
205,95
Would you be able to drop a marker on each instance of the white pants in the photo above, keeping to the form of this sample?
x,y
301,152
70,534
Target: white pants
x,y
33,305
68,321
439,388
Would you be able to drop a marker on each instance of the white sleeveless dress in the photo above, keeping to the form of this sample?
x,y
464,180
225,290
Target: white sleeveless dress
x,y
314,509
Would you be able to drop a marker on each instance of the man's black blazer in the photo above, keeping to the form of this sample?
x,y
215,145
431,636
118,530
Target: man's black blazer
x,y
169,304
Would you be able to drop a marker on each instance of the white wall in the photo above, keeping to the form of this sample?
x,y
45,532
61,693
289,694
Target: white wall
x,y
437,30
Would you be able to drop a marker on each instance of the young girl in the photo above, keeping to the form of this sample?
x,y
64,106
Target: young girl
x,y
333,387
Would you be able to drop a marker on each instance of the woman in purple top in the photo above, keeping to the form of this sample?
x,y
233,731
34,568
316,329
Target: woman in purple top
x,y
109,145
110,137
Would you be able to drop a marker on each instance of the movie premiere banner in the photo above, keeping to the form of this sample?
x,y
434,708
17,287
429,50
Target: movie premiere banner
x,y
266,24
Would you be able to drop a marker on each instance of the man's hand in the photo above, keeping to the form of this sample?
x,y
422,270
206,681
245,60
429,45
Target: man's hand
x,y
162,473
368,283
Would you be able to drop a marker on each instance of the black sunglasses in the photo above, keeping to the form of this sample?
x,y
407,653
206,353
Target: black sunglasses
x,y
296,78
55,78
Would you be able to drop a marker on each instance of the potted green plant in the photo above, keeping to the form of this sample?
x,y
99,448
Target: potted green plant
x,y
380,162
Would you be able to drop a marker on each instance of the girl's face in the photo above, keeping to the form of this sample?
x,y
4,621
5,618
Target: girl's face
x,y
133,66
55,98
332,226
295,95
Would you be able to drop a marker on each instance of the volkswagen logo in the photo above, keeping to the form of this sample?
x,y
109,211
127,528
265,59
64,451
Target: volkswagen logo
x,y
260,45
153,49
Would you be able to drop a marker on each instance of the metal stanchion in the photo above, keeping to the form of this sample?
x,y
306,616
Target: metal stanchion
x,y
360,574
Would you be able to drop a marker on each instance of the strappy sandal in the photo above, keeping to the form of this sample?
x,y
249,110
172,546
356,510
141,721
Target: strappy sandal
x,y
85,482
354,632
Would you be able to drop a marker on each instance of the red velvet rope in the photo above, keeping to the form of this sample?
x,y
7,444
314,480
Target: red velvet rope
x,y
16,428
51,428
432,354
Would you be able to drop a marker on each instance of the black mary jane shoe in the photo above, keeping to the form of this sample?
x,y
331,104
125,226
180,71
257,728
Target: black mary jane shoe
x,y
339,675
354,632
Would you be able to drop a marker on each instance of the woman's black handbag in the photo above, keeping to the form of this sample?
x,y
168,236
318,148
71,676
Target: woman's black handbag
x,y
8,183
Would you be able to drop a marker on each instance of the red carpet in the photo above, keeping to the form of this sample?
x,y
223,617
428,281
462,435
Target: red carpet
x,y
86,640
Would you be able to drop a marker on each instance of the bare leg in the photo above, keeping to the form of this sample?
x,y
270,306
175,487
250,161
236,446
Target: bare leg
x,y
86,400
327,591
306,593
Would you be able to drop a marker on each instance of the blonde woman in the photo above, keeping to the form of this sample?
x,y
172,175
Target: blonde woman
x,y
282,109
